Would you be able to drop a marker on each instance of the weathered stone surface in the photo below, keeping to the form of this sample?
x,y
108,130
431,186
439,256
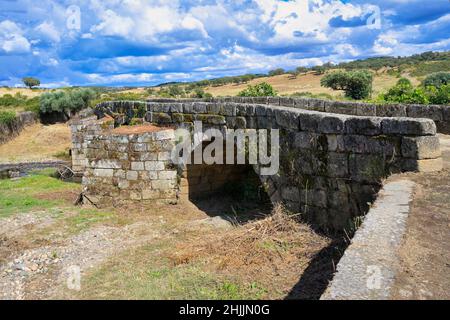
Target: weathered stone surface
x,y
407,126
427,147
154,165
429,111
132,175
366,126
332,124
103,172
391,110
290,193
167,175
137,166
287,119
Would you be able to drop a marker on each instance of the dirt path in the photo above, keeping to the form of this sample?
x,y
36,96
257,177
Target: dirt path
x,y
425,252
39,272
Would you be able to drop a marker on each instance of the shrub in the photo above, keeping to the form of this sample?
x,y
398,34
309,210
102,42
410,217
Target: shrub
x,y
200,93
439,95
355,84
7,117
437,79
404,92
9,100
318,70
65,101
31,82
262,89
276,72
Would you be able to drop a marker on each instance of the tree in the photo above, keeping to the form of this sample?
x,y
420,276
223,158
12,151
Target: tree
x,y
301,70
31,82
262,89
200,93
276,72
437,79
65,102
355,84
318,70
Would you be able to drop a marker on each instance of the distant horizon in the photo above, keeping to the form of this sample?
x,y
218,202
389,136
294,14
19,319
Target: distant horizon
x,y
136,43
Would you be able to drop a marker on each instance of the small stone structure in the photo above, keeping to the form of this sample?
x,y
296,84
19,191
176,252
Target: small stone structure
x,y
331,165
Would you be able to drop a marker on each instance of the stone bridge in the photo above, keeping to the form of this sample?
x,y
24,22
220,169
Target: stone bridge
x,y
333,155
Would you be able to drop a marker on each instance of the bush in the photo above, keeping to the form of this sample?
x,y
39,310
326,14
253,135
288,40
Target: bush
x,y
437,79
439,95
355,84
276,72
200,93
66,101
9,100
404,92
7,117
262,89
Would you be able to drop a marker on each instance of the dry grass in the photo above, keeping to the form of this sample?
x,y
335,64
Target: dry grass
x,y
287,84
276,247
37,143
24,91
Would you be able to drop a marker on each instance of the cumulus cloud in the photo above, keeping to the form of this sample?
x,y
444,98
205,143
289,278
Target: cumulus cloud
x,y
152,41
12,40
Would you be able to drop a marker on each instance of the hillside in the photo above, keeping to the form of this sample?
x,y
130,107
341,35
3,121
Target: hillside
x,y
287,84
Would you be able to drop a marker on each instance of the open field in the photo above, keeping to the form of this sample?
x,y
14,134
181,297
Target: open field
x,y
287,84
37,143
24,91
157,252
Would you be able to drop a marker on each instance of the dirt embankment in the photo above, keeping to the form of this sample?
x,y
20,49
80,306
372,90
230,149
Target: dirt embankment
x,y
13,129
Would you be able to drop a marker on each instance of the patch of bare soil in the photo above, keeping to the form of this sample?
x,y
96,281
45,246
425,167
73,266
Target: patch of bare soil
x,y
425,252
143,128
69,196
36,142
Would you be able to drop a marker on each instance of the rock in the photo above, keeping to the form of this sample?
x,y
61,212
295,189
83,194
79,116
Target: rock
x,y
33,267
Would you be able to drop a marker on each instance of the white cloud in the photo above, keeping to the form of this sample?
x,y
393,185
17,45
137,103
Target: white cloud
x,y
385,44
12,40
48,30
142,20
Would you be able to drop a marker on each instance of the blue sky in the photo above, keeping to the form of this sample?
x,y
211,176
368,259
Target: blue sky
x,y
146,42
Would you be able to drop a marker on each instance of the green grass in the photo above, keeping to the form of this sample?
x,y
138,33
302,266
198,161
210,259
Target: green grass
x,y
86,218
7,117
21,195
145,273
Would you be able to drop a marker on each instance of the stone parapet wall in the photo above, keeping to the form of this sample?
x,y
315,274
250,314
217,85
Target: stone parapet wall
x,y
438,113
